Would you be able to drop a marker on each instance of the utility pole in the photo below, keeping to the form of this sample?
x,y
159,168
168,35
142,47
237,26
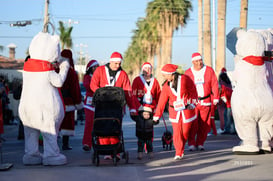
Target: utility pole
x,y
46,17
243,14
213,36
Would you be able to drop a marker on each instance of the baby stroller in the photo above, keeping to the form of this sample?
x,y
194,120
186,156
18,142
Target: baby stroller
x,y
108,103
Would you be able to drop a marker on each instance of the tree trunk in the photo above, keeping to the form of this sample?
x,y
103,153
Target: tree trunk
x,y
158,66
221,37
243,14
207,33
200,26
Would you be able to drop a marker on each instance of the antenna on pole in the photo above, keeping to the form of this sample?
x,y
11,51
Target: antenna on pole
x,y
46,17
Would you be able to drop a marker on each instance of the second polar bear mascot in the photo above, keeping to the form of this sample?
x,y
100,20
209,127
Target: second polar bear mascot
x,y
252,99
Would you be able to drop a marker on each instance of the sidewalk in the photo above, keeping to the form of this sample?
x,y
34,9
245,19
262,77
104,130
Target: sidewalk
x,y
215,163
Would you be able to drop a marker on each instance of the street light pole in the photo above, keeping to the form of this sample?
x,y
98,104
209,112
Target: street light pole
x,y
46,17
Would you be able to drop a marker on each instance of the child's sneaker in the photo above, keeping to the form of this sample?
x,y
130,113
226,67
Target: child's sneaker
x,y
150,155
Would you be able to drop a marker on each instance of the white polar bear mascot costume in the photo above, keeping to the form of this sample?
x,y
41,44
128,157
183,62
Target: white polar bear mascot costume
x,y
41,107
252,98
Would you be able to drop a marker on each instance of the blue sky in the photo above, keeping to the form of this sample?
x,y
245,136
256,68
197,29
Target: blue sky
x,y
105,26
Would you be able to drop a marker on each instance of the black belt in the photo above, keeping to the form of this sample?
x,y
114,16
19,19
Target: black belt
x,y
202,98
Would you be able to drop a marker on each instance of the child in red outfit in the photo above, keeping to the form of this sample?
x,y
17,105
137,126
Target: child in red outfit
x,y
225,95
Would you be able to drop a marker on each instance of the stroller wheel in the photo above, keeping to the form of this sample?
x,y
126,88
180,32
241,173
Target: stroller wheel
x,y
115,160
94,158
98,161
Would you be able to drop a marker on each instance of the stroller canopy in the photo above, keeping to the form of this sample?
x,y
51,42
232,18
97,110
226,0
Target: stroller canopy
x,y
109,95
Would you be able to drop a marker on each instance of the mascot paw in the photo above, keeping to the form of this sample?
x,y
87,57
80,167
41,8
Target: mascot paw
x,y
265,150
32,159
55,160
245,150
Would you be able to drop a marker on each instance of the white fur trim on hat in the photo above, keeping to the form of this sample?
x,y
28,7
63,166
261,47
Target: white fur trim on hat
x,y
196,56
94,63
147,109
146,64
167,72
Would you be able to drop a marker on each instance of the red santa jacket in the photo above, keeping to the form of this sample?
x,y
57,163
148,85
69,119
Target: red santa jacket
x,y
206,84
101,79
225,95
188,96
71,92
89,93
140,87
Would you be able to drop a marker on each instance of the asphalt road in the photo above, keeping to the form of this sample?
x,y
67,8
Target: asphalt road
x,y
217,162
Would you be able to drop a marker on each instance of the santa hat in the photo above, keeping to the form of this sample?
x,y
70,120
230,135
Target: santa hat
x,y
145,109
116,57
146,64
169,69
223,70
91,63
196,56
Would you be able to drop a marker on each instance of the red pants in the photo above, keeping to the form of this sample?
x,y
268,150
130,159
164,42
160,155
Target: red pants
x,y
212,120
221,110
200,127
180,136
88,127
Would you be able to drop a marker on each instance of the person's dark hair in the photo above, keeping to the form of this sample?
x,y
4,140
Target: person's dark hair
x,y
176,74
224,77
141,114
89,71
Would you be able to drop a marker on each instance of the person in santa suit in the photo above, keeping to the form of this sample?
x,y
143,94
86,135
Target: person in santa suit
x,y
72,99
180,90
88,108
207,88
112,74
146,88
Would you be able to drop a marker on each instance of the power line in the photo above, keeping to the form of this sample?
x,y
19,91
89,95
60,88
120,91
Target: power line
x,y
97,37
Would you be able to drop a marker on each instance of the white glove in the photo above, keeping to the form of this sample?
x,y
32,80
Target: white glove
x,y
64,65
215,101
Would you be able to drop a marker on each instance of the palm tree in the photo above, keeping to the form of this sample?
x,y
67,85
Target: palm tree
x,y
168,15
243,14
207,33
142,47
1,48
65,36
221,37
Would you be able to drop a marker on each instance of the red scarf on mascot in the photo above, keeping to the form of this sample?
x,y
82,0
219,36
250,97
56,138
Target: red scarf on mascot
x,y
33,65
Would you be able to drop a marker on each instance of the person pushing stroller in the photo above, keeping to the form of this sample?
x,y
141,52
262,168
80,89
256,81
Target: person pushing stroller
x,y
112,75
